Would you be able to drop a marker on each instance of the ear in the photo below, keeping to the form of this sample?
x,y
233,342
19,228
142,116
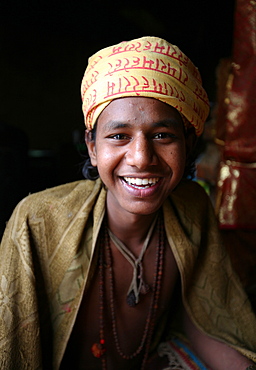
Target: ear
x,y
91,146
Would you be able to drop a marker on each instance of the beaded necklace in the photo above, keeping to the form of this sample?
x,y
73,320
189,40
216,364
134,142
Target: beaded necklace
x,y
98,349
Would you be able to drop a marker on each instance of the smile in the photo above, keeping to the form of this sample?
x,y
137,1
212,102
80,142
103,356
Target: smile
x,y
141,183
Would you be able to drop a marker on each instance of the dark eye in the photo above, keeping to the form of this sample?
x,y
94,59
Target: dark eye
x,y
164,135
119,137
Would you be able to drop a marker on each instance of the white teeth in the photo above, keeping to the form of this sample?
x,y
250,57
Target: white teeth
x,y
138,181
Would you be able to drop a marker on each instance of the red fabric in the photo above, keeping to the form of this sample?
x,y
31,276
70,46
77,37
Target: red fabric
x,y
235,126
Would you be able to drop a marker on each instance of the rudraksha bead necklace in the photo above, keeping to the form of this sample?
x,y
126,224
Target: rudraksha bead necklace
x,y
98,349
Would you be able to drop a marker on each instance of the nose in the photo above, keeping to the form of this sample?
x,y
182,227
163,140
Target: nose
x,y
141,153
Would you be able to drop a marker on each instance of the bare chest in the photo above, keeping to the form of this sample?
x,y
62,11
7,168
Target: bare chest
x,y
126,328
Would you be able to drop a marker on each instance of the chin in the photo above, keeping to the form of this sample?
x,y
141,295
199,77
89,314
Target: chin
x,y
143,210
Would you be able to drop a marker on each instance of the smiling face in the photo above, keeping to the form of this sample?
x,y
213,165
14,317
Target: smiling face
x,y
140,152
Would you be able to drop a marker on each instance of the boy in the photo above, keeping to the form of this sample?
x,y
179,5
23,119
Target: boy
x,y
96,274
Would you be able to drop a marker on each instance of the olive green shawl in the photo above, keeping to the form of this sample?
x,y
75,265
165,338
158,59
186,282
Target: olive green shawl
x,y
46,263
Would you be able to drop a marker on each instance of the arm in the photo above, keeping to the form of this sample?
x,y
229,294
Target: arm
x,y
217,355
19,326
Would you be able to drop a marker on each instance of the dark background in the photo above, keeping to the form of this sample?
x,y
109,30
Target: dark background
x,y
44,51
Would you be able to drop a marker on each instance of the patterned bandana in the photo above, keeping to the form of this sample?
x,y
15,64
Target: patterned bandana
x,y
148,67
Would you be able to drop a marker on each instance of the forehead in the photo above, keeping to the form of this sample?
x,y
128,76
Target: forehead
x,y
139,110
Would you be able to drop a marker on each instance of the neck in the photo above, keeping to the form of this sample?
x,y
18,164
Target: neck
x,y
131,230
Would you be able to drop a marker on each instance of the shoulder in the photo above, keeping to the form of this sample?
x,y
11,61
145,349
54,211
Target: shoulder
x,y
62,198
190,192
77,190
191,202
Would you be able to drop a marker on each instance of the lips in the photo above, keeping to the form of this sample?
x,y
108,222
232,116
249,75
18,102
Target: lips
x,y
140,183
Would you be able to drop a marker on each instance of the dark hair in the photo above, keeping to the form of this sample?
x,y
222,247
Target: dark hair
x,y
91,173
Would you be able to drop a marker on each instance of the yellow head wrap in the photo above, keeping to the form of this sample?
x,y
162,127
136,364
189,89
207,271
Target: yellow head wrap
x,y
149,67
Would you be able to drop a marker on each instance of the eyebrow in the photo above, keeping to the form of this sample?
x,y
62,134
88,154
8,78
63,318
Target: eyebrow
x,y
170,122
115,124
111,125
